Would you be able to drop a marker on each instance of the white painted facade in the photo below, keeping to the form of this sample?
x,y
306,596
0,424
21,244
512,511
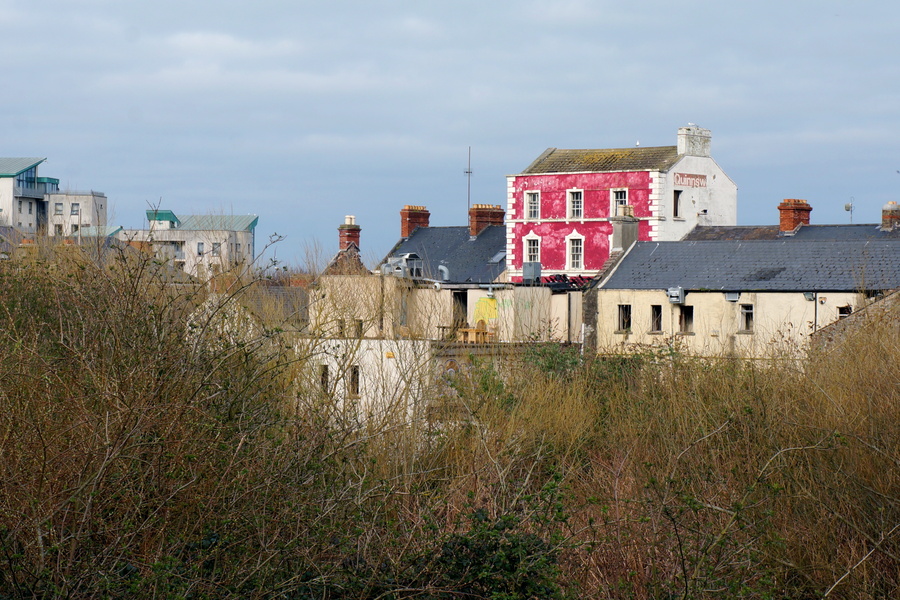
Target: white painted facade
x,y
70,212
779,322
200,246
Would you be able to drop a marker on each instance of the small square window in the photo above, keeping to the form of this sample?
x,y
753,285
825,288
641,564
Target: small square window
x,y
216,248
844,311
200,248
76,208
58,208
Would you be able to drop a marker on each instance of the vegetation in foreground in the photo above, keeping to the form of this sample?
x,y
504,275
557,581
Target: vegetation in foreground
x,y
145,454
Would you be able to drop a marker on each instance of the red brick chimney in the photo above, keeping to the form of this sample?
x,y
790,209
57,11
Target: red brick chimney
x,y
890,216
482,215
412,217
348,233
793,213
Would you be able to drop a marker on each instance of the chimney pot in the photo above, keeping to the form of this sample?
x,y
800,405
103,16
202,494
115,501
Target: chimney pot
x,y
348,233
694,141
411,218
482,215
793,213
890,216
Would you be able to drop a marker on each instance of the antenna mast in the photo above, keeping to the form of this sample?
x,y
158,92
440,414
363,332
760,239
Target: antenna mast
x,y
469,181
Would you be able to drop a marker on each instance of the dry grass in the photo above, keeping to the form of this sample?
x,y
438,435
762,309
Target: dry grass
x,y
137,460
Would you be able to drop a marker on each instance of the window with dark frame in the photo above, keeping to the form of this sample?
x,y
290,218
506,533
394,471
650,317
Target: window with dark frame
x,y
323,378
76,208
358,328
624,323
686,319
58,208
676,204
844,311
655,318
746,318
354,381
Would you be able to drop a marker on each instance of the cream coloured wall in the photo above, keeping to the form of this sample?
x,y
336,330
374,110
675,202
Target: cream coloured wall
x,y
782,321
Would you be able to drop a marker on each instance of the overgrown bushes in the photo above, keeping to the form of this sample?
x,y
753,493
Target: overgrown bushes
x,y
148,452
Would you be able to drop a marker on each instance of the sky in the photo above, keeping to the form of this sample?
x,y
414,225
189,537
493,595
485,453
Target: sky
x,y
302,112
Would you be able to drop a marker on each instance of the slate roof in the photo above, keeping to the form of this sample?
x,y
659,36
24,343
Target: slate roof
x,y
782,265
10,167
650,158
346,262
218,222
468,260
819,233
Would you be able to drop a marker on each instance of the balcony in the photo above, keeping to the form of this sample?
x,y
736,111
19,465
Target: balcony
x,y
37,190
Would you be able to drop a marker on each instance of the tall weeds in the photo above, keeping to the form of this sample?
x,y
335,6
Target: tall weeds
x,y
150,448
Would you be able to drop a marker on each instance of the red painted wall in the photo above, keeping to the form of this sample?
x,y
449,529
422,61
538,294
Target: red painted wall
x,y
597,203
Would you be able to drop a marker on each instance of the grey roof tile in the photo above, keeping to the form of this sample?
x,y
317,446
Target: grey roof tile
x,y
468,260
756,265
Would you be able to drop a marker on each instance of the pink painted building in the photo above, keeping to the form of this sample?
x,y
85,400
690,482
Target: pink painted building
x,y
561,209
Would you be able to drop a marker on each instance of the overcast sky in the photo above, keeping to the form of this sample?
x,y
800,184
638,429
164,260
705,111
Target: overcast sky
x,y
303,112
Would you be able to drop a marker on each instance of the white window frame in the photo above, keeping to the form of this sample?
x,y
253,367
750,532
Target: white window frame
x,y
531,237
569,263
570,204
532,215
614,202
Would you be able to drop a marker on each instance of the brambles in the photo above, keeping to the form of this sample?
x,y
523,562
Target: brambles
x,y
147,450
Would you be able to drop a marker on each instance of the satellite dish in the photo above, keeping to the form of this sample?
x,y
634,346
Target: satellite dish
x,y
848,207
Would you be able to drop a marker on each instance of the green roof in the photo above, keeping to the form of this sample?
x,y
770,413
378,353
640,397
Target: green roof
x,y
10,167
107,231
650,158
161,215
219,222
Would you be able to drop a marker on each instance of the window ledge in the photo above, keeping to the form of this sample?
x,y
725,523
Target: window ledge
x,y
654,333
745,332
622,331
686,333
